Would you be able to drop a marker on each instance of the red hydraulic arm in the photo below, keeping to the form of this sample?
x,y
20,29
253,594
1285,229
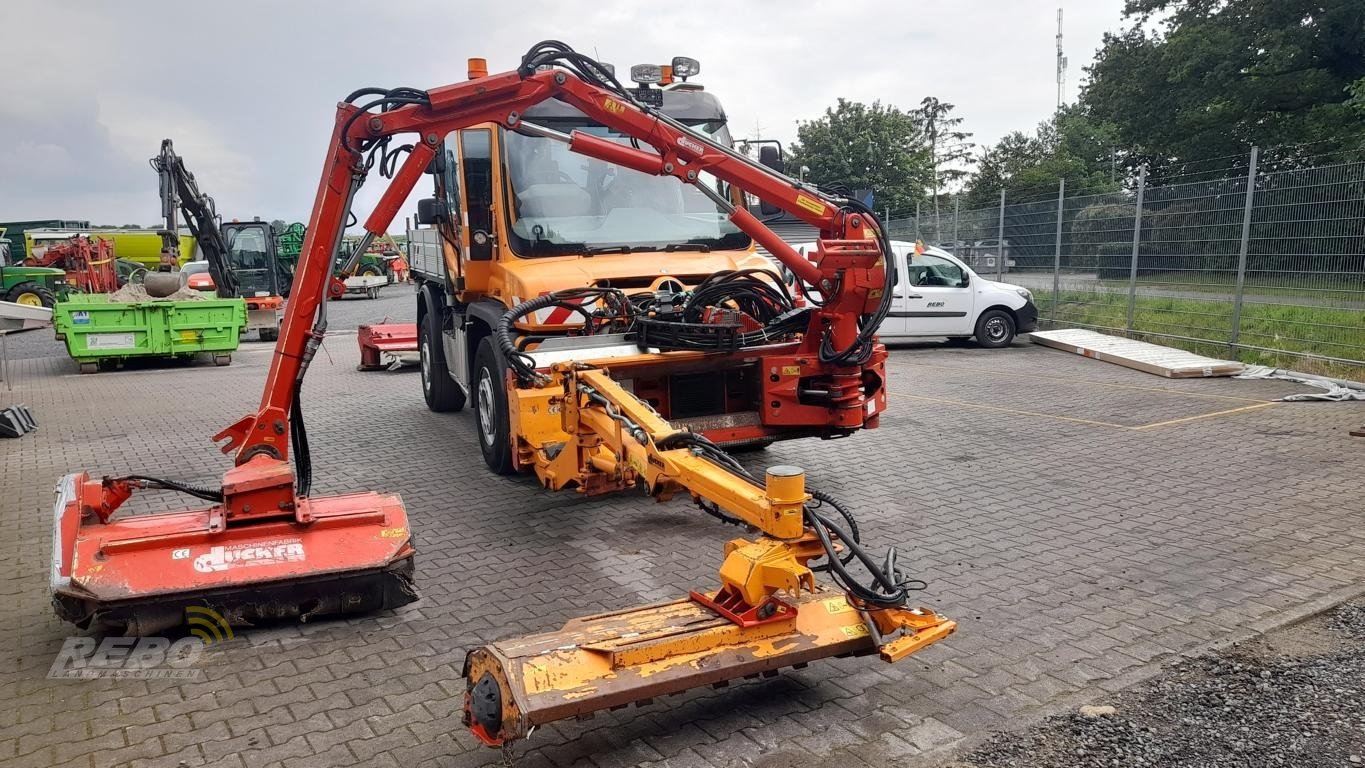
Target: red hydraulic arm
x,y
848,268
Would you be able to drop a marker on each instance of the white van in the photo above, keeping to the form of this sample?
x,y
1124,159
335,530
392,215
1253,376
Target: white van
x,y
937,295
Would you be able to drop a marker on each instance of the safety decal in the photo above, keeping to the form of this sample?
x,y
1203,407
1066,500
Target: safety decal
x,y
811,204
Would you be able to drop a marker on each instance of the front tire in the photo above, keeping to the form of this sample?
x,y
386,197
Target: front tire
x,y
32,295
441,392
995,329
490,410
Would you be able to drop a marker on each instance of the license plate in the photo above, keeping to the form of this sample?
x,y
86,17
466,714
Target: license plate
x,y
110,341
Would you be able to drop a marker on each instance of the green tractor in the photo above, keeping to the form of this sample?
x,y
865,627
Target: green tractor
x,y
30,286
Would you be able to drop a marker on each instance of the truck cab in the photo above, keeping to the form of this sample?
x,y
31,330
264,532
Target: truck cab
x,y
516,216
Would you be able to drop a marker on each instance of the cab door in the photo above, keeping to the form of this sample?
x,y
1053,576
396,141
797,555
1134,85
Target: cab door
x,y
936,299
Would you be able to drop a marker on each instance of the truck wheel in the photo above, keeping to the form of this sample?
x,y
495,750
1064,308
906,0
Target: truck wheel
x,y
442,394
270,334
995,329
490,410
31,295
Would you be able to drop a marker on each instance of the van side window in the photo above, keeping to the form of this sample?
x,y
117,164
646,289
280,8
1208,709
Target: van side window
x,y
477,144
926,269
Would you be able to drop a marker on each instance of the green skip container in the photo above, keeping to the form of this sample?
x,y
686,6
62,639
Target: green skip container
x,y
98,331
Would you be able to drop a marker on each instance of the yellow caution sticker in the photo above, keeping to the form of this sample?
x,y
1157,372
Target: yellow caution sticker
x,y
393,533
857,630
189,337
811,204
791,370
837,605
613,106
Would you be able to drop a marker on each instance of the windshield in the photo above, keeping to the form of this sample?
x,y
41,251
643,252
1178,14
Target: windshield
x,y
565,203
247,247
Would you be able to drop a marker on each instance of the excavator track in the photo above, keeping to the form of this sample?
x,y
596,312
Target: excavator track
x,y
613,660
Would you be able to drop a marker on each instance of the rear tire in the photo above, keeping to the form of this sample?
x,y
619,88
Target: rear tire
x,y
31,295
441,392
270,334
995,329
222,359
490,410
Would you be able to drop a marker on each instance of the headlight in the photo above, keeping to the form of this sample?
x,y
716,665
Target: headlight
x,y
1024,292
685,67
646,74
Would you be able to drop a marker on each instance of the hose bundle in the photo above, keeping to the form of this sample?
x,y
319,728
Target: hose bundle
x,y
888,587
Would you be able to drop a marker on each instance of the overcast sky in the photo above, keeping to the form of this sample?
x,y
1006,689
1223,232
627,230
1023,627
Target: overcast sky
x,y
248,91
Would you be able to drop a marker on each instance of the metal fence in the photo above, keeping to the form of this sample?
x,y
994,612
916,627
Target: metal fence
x,y
1266,267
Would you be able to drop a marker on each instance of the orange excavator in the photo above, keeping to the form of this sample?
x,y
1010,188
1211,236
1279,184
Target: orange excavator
x,y
264,548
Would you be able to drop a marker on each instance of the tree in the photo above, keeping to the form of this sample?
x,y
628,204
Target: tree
x,y
1219,77
950,152
863,146
1070,146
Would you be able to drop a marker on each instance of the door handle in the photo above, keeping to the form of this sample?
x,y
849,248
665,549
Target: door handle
x,y
912,296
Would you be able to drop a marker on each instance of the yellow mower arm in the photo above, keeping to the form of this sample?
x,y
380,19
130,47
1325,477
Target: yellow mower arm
x,y
768,612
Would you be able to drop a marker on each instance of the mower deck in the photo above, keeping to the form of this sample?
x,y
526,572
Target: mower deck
x,y
611,660
136,574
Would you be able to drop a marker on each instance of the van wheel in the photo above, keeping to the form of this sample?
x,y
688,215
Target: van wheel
x,y
441,392
995,329
490,410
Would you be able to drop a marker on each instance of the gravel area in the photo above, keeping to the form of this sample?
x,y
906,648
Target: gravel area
x,y
1291,698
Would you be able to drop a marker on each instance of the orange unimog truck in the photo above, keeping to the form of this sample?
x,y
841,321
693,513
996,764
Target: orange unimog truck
x,y
516,216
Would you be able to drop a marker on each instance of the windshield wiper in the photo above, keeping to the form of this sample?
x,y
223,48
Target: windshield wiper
x,y
606,249
674,247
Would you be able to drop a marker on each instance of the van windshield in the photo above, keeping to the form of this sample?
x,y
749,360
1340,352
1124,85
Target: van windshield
x,y
564,203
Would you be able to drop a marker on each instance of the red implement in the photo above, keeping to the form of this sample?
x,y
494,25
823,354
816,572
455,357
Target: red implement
x,y
135,574
393,338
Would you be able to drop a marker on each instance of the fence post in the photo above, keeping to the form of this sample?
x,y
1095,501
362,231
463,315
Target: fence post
x,y
1000,240
917,228
1057,252
1242,252
957,248
1137,242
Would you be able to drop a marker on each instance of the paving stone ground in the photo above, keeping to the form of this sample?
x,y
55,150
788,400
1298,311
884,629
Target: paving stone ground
x,y
1083,522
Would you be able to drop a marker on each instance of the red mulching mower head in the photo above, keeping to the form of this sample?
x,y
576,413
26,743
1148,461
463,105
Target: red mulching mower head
x,y
136,574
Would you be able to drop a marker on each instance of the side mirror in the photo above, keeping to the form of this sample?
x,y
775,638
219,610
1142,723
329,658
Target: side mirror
x,y
481,245
770,156
965,281
430,211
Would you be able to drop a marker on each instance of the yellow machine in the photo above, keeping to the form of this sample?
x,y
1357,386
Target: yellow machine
x,y
612,330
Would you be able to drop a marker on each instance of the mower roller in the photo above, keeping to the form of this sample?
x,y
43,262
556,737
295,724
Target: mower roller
x,y
265,548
